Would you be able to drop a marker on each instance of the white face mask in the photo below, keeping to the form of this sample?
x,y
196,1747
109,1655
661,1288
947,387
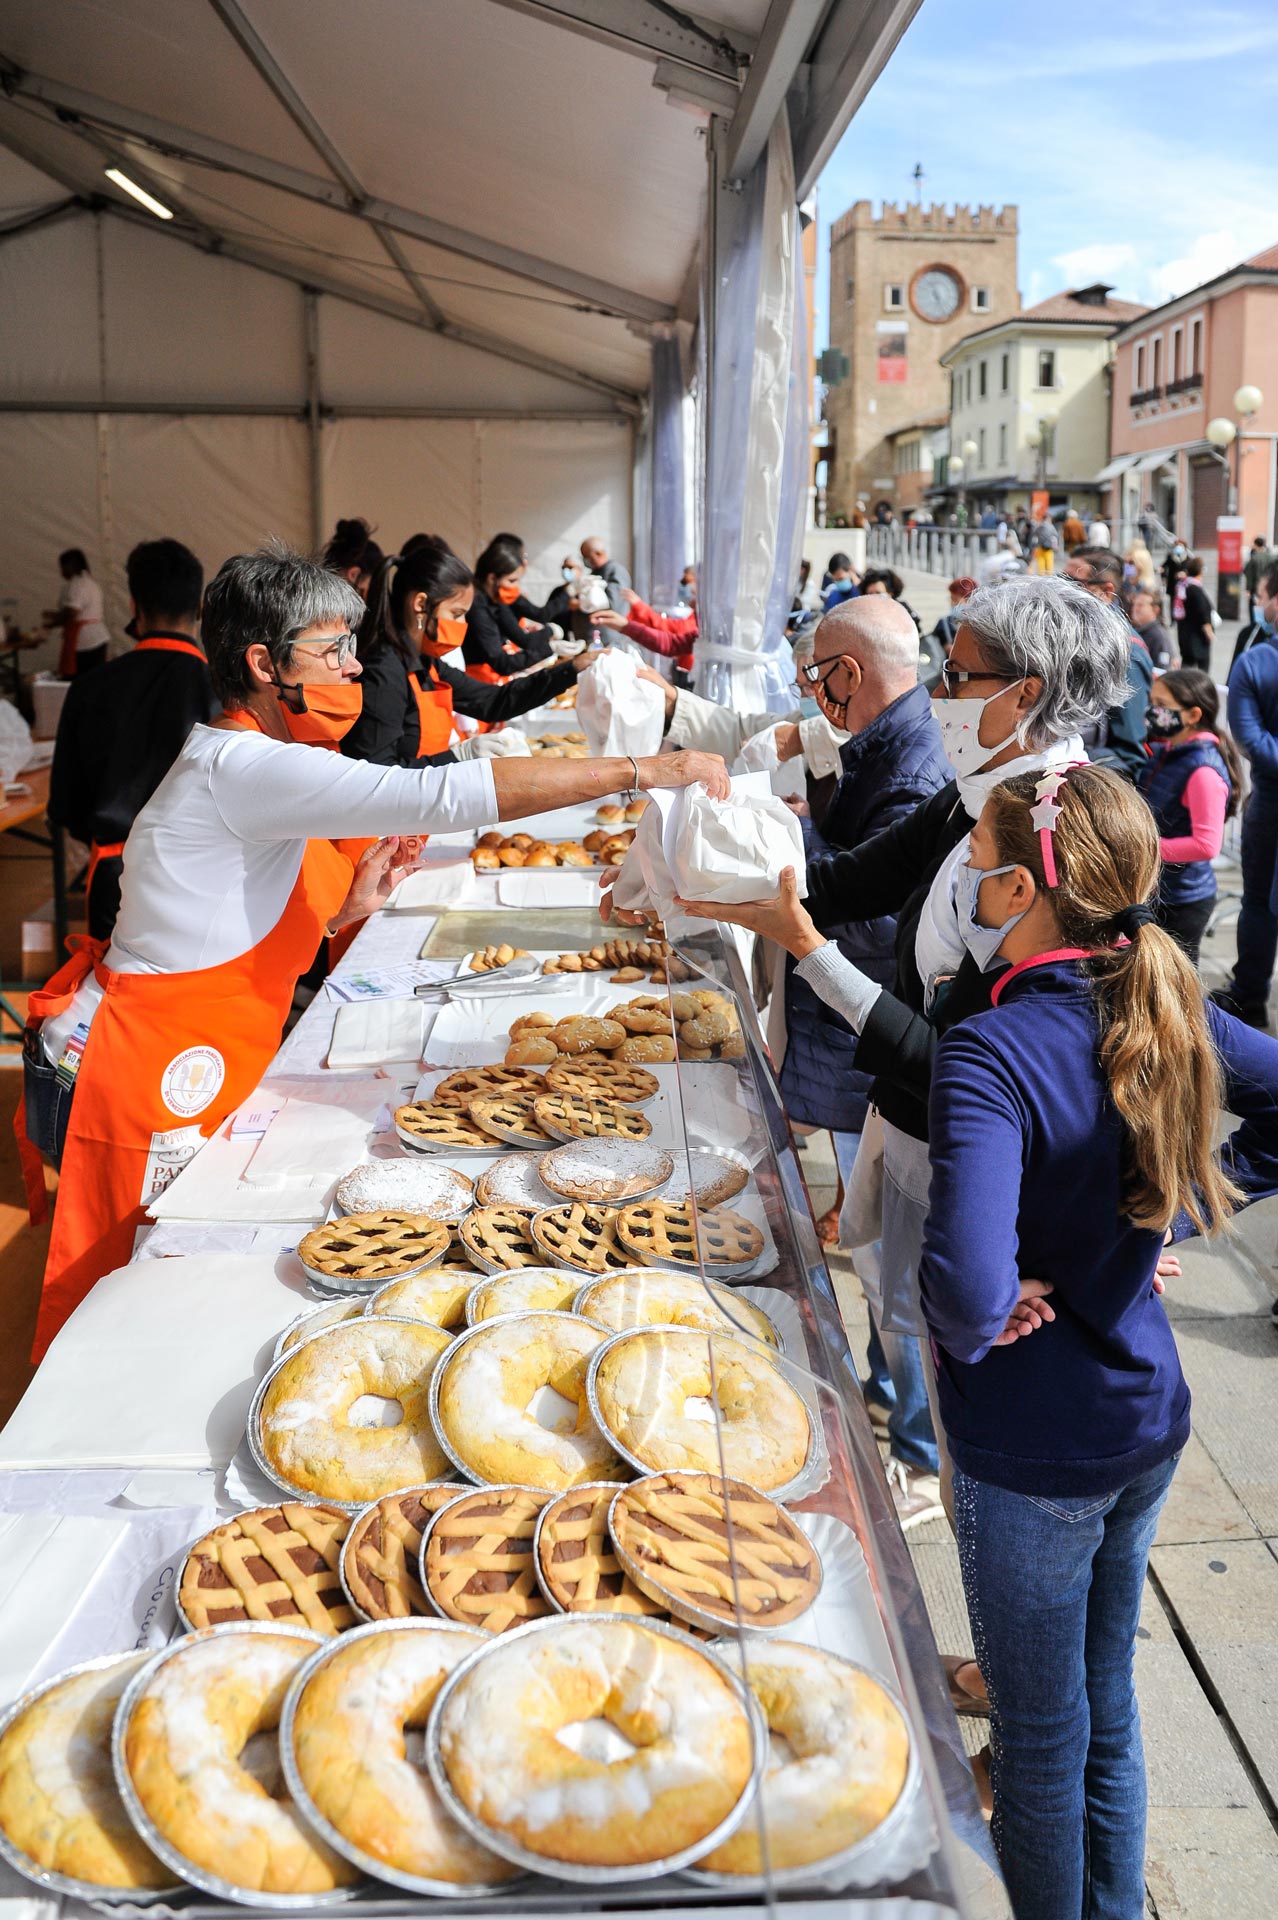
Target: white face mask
x,y
960,724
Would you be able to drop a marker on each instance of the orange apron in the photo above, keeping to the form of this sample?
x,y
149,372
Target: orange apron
x,y
100,850
167,1059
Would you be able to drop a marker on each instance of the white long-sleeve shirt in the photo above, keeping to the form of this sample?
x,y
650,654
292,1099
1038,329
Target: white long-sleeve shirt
x,y
214,854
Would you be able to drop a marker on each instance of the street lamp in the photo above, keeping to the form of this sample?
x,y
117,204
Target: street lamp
x,y
1221,434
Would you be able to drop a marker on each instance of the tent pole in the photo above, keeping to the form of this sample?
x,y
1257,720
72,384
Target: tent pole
x,y
709,316
314,424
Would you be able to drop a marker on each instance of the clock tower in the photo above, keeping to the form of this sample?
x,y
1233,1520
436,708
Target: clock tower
x,y
904,286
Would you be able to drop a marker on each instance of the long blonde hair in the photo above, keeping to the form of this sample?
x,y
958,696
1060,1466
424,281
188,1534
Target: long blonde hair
x,y
1156,1049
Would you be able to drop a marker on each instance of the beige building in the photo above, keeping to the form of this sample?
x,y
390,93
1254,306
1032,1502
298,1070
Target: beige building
x,y
905,286
1029,404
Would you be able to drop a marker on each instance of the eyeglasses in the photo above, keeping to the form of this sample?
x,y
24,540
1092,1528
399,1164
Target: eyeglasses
x,y
335,652
955,677
815,671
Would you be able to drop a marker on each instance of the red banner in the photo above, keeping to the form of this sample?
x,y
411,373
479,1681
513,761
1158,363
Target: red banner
x,y
893,364
1229,541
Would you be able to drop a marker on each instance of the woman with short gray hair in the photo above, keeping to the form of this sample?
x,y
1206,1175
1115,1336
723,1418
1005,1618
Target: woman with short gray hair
x,y
1034,661
231,881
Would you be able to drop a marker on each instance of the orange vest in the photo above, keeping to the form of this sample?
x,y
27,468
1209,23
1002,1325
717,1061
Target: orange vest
x,y
168,1058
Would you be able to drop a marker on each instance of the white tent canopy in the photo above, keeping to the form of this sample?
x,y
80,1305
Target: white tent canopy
x,y
417,251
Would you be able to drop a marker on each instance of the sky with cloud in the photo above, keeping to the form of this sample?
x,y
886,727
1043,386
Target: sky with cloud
x,y
1137,143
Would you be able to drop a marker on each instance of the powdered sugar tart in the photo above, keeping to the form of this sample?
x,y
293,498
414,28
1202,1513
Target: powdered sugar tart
x,y
497,1238
438,1295
518,1752
602,1170
62,1822
838,1765
344,1746
179,1743
526,1290
712,1178
513,1181
477,1558
581,1237
715,1552
424,1187
716,1238
651,1297
671,1398
380,1555
306,1424
364,1250
510,1405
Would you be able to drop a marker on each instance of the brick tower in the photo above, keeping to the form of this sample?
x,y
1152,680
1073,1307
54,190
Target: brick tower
x,y
903,288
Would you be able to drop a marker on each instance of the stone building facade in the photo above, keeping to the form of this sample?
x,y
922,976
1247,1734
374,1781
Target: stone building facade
x,y
905,286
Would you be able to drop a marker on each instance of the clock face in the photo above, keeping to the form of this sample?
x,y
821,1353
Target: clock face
x,y
936,294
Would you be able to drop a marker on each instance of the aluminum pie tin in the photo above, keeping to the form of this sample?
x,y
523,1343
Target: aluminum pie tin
x,y
423,1486
488,1486
593,1875
512,1137
188,1625
448,1218
695,1616
436,1386
560,1259
579,1306
792,1489
712,1269
48,1877
659,1154
160,1845
475,1298
366,1862
489,1269
339,1283
814,1871
350,1310
253,1426
569,1493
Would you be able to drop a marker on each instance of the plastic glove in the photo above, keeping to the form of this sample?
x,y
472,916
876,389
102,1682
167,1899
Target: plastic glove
x,y
491,746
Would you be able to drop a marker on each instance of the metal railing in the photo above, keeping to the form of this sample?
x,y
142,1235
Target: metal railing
x,y
947,551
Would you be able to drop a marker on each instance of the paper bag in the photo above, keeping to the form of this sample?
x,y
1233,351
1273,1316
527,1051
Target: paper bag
x,y
734,849
619,713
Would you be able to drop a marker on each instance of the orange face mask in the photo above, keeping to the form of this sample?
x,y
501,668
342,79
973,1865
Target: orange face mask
x,y
509,591
449,634
328,711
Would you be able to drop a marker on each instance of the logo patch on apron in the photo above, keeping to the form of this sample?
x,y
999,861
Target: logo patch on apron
x,y
192,1081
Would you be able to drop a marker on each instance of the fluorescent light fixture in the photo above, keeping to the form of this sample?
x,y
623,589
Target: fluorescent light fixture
x,y
140,194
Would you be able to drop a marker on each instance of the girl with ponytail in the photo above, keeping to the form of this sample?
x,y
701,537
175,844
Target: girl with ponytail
x,y
418,604
1192,782
1072,1130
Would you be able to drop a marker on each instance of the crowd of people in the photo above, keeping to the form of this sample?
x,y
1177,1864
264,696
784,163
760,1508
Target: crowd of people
x,y
987,996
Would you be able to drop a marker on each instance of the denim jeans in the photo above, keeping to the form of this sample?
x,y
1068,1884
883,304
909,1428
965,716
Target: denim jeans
x,y
1257,924
1053,1588
895,1363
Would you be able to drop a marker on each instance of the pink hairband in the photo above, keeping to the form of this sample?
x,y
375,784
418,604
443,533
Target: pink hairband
x,y
1047,811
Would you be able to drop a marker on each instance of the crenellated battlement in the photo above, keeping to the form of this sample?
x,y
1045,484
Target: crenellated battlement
x,y
910,217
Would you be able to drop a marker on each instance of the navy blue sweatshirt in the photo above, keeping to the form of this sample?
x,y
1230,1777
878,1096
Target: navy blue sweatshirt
x,y
1026,1152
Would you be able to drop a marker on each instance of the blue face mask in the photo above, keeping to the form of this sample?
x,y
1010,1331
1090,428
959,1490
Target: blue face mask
x,y
981,942
808,706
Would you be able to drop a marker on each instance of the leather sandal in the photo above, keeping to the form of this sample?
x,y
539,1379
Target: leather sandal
x,y
968,1702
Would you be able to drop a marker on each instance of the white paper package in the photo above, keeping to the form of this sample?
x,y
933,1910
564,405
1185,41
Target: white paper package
x,y
696,848
617,711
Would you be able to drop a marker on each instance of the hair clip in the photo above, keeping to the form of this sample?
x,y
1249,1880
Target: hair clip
x,y
1046,812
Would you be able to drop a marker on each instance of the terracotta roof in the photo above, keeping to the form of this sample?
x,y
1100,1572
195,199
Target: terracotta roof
x,y
918,426
1067,306
1268,260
